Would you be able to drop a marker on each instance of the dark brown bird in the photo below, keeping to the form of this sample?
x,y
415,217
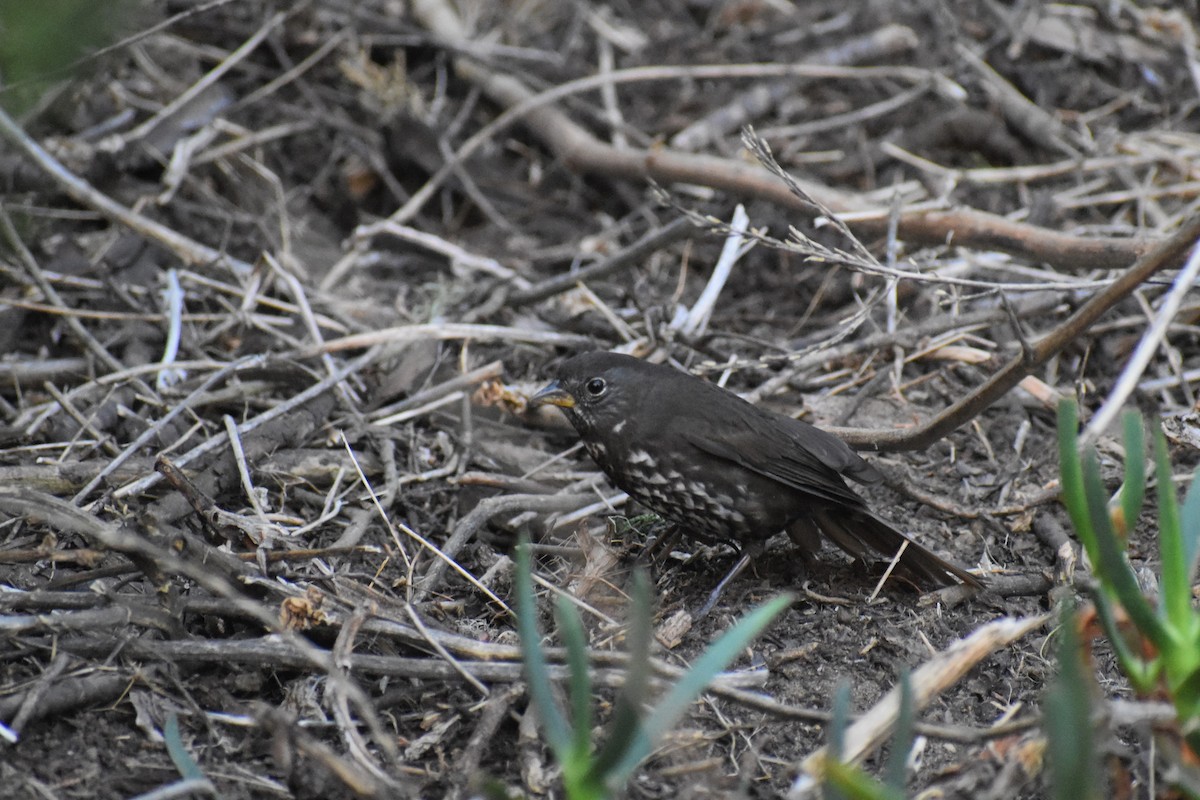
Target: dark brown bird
x,y
719,467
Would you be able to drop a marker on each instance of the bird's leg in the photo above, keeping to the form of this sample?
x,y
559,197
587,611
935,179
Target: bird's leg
x,y
663,543
749,553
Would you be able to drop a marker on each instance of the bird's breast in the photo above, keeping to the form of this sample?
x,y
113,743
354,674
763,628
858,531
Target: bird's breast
x,y
718,502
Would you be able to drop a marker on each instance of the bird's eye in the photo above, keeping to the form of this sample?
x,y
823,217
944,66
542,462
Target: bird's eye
x,y
596,387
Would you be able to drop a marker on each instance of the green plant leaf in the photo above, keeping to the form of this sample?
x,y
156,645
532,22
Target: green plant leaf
x,y
1186,695
1112,568
1189,526
187,766
1176,589
851,781
1133,490
39,41
835,778
897,769
626,719
1142,674
1067,719
558,733
570,627
1071,476
718,656
842,781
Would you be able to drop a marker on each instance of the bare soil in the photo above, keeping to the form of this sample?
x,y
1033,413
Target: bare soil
x,y
279,598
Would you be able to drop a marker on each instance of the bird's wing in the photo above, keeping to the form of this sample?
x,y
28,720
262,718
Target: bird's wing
x,y
798,472
796,455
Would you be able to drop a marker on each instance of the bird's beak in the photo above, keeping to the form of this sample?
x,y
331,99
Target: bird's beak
x,y
553,395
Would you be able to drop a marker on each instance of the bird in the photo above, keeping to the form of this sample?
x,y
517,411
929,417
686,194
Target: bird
x,y
719,467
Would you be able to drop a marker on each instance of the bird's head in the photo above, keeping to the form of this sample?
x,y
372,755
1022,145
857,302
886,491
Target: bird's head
x,y
591,389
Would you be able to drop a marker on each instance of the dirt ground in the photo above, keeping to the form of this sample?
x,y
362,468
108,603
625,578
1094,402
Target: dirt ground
x,y
377,225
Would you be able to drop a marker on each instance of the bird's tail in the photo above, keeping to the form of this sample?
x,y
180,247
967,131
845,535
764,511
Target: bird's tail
x,y
861,533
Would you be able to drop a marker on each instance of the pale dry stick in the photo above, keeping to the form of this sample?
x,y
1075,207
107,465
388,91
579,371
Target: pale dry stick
x,y
84,422
551,461
466,528
619,326
1147,209
239,457
15,373
173,295
207,81
607,505
887,573
218,440
1075,189
839,121
582,152
608,94
1024,115
458,256
87,313
909,337
295,72
252,139
491,653
492,713
1035,386
310,322
444,332
892,303
43,683
1127,382
332,510
559,591
63,516
419,411
866,263
377,505
1158,384
264,301
1001,263
488,372
1185,190
757,100
340,654
634,254
443,652
34,271
188,250
180,163
283,654
1164,254
444,559
927,681
697,319
627,37
153,430
498,664
1027,174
